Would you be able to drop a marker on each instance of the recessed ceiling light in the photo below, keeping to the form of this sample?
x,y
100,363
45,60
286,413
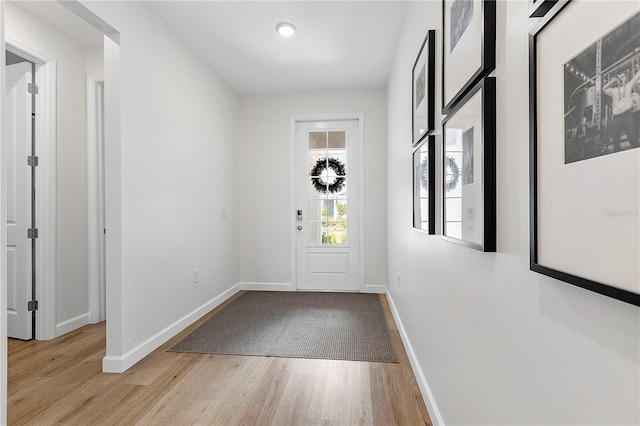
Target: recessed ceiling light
x,y
285,29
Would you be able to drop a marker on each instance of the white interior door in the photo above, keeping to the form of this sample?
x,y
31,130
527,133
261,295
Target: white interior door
x,y
18,215
327,206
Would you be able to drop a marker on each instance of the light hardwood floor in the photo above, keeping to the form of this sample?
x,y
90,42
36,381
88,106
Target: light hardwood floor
x,y
60,382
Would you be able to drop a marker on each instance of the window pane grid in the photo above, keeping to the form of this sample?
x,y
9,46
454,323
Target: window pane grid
x,y
327,219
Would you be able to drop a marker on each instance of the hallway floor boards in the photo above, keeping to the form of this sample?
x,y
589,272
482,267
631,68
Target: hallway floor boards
x,y
60,382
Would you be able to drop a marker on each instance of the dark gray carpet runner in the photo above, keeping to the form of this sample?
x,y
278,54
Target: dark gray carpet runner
x,y
344,326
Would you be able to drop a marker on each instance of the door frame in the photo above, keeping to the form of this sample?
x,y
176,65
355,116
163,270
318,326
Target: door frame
x,y
45,134
96,203
295,119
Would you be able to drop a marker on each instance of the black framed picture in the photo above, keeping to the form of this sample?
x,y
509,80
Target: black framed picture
x,y
424,188
469,169
469,47
584,133
423,121
539,8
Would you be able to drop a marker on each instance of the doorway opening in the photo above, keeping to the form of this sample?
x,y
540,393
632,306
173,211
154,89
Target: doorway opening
x,y
34,165
60,232
327,244
21,229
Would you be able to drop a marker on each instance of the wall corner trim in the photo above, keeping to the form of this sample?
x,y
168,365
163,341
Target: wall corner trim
x,y
120,364
427,395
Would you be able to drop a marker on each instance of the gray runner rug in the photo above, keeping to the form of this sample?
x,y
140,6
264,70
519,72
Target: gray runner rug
x,y
345,326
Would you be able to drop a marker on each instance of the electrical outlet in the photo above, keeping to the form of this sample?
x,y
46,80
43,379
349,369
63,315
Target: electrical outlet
x,y
224,213
398,279
196,275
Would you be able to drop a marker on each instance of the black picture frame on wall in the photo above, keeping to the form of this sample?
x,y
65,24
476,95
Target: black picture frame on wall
x,y
539,8
424,187
469,169
423,90
583,220
468,48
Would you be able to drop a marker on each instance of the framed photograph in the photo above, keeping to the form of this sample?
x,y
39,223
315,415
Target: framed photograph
x,y
469,169
424,188
584,138
469,47
423,121
539,8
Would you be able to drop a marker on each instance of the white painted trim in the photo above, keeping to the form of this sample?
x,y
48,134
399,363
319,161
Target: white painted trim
x,y
292,173
361,164
26,52
95,207
292,200
46,150
46,184
72,324
3,229
375,288
113,199
119,364
267,286
425,390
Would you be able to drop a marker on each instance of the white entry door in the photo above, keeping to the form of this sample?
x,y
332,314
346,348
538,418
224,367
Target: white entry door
x,y
18,148
327,206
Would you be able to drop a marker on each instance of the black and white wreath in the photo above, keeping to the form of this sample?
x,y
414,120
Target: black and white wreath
x,y
424,174
334,164
453,174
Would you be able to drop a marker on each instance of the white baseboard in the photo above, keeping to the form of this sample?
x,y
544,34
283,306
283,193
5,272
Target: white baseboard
x,y
71,324
372,288
267,286
119,364
427,395
368,288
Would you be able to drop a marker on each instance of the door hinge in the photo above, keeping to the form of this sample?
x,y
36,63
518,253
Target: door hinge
x,y
32,88
32,233
32,160
32,305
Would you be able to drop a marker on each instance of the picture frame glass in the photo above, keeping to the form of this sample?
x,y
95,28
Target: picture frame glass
x,y
423,88
587,191
422,187
420,97
462,172
463,44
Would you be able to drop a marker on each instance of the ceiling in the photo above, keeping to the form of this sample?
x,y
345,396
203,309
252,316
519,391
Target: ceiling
x,y
339,44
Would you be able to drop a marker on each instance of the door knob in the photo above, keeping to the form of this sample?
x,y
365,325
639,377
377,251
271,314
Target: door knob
x,y
299,227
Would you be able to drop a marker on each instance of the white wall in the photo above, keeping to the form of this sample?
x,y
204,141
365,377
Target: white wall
x,y
71,197
499,344
170,170
95,62
265,163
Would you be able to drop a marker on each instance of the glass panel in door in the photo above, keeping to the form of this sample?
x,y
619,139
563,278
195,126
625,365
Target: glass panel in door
x,y
327,166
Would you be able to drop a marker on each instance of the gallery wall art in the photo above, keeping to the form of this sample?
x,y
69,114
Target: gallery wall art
x,y
469,169
584,140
